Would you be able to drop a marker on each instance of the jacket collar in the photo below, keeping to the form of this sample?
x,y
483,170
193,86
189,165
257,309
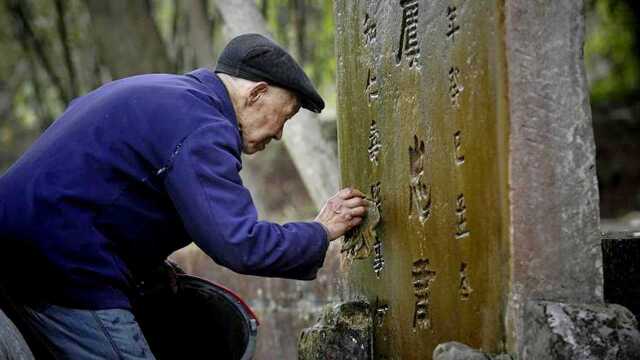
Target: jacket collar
x,y
209,79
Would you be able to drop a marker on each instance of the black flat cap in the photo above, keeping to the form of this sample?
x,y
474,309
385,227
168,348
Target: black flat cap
x,y
256,58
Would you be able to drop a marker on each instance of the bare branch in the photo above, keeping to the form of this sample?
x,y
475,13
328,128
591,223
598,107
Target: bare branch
x,y
20,12
64,40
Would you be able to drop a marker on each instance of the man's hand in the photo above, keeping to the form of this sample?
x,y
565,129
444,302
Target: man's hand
x,y
342,212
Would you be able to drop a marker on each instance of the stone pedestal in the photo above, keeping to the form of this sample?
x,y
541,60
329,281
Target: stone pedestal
x,y
343,332
580,332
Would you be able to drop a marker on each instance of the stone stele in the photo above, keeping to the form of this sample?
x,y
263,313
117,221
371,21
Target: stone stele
x,y
468,125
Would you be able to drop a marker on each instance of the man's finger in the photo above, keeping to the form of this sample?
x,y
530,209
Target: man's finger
x,y
355,221
358,211
345,193
355,202
349,192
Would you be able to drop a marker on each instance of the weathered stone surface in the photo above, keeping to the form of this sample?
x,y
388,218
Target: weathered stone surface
x,y
471,121
621,265
580,332
553,189
359,242
343,332
457,351
12,344
422,130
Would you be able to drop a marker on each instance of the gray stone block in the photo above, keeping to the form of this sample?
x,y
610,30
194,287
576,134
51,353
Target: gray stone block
x,y
457,351
12,344
578,331
342,332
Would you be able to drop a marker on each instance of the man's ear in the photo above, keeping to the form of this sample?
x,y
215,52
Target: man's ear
x,y
257,91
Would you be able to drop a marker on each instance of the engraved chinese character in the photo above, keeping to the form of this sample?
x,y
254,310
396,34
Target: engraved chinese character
x,y
420,193
375,196
457,143
453,28
371,88
409,33
380,313
369,30
464,288
374,142
378,258
359,242
461,218
422,276
455,86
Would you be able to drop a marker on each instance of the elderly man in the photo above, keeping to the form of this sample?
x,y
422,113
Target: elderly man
x,y
140,168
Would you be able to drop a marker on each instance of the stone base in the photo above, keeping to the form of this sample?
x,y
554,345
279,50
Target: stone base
x,y
342,332
579,331
458,351
554,331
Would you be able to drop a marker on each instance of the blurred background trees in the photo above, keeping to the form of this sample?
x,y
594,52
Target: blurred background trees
x,y
55,50
612,57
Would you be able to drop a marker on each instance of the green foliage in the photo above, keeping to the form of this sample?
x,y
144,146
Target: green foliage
x,y
317,54
611,60
34,95
37,80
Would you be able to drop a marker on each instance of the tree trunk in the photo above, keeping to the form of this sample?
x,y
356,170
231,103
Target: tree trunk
x,y
200,31
128,40
311,154
64,41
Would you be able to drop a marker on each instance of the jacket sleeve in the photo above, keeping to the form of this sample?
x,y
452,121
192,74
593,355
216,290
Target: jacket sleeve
x,y
218,212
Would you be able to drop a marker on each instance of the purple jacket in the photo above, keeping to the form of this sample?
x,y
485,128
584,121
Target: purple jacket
x,y
128,174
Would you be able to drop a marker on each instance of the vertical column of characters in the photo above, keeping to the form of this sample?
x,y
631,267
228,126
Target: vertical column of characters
x,y
455,90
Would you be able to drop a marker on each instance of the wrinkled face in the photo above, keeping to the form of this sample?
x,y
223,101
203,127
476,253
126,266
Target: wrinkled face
x,y
267,109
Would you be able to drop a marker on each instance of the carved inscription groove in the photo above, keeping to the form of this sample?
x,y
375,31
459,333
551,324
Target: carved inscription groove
x,y
455,86
360,242
422,276
378,255
457,143
369,30
374,142
453,27
380,313
461,218
420,193
375,196
464,288
371,89
378,258
409,33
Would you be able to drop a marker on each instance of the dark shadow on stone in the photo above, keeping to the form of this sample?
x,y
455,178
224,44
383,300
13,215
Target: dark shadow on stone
x,y
621,270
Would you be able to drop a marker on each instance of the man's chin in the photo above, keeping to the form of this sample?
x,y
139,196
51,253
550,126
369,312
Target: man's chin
x,y
250,150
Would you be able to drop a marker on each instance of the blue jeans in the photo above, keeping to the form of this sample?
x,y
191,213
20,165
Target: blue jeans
x,y
90,334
